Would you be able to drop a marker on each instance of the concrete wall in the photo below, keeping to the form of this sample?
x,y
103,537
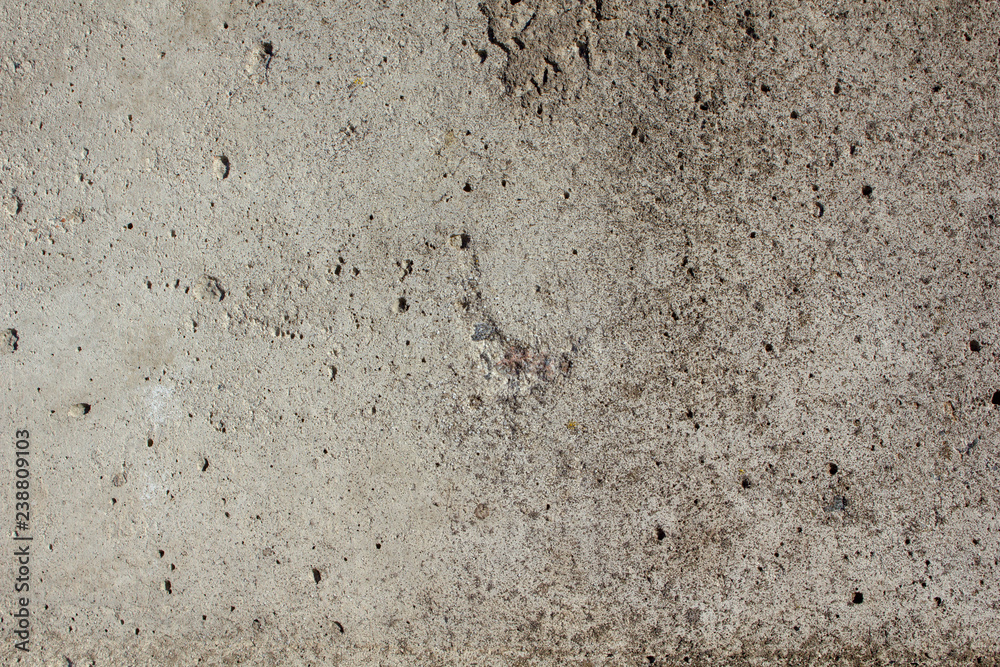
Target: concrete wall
x,y
521,333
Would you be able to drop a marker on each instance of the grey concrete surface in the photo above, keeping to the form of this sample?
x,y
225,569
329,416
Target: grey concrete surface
x,y
517,333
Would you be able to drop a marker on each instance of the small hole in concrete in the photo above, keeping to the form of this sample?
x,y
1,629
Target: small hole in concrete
x,y
975,346
867,191
858,598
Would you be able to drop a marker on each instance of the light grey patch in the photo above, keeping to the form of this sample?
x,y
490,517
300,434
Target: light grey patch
x,y
838,504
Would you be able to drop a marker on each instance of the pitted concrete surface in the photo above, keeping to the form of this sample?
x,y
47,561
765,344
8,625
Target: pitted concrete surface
x,y
543,332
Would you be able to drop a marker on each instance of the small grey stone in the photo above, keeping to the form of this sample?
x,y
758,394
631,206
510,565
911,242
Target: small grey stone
x,y
483,331
838,504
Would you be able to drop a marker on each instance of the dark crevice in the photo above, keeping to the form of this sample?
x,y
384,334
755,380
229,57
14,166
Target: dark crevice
x,y
584,49
490,35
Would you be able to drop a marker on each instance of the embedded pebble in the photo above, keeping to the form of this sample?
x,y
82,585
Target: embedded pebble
x,y
79,410
208,289
258,56
11,205
220,167
10,339
483,331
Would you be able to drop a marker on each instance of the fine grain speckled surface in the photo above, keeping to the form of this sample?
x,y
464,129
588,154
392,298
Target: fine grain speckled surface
x,y
537,332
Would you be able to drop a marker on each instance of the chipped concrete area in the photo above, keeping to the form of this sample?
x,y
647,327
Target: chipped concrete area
x,y
538,332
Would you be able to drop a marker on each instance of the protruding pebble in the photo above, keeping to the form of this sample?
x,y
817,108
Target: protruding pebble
x,y
10,339
220,167
11,204
79,410
258,56
208,289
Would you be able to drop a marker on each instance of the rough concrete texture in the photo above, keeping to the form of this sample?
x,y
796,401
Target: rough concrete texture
x,y
523,333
